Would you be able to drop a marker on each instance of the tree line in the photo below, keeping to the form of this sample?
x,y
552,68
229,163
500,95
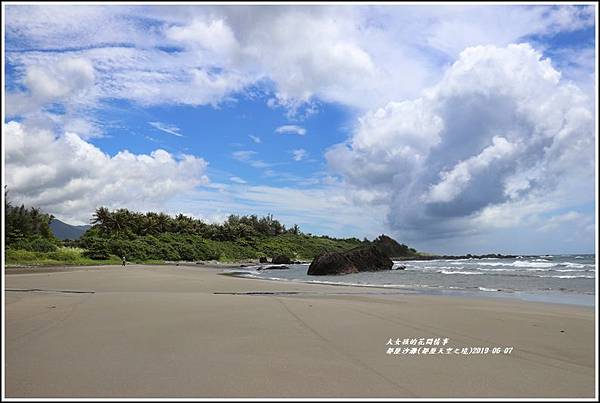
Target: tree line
x,y
124,223
158,236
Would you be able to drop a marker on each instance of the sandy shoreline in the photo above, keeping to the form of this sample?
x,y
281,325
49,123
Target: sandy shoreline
x,y
182,331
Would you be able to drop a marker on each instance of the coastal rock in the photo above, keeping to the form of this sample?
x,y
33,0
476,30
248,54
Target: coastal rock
x,y
263,259
331,263
281,259
353,261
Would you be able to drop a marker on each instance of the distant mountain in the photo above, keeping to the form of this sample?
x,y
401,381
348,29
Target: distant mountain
x,y
63,230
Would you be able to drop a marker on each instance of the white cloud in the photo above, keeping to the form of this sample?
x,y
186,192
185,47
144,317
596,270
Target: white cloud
x,y
456,180
54,26
299,154
357,56
69,76
499,131
243,155
247,156
194,86
451,29
84,128
255,139
306,51
69,80
557,220
291,129
69,177
147,76
173,130
236,179
215,36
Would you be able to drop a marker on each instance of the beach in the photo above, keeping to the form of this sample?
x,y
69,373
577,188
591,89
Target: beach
x,y
189,331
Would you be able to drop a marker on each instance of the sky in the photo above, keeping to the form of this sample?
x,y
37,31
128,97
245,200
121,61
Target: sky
x,y
453,128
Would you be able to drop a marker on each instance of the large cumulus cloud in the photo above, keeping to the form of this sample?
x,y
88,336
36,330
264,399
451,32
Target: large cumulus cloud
x,y
357,56
68,176
499,129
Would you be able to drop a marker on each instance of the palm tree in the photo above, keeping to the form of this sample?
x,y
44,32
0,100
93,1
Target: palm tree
x,y
163,222
106,221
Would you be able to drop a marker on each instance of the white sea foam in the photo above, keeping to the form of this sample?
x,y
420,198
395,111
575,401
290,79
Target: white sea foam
x,y
494,264
567,277
575,270
394,286
457,272
325,282
575,265
487,289
527,263
495,270
519,263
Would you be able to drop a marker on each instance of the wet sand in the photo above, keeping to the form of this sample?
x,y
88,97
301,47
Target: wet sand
x,y
184,331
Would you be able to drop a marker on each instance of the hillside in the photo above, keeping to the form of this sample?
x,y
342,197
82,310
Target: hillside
x,y
391,248
62,230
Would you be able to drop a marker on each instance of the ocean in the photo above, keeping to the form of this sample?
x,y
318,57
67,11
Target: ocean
x,y
569,279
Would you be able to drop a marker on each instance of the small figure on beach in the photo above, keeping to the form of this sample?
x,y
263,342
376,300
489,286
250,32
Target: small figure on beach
x,y
123,260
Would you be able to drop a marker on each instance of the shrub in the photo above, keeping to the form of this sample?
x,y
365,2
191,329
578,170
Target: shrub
x,y
42,245
186,251
96,249
167,252
37,244
208,251
97,253
66,255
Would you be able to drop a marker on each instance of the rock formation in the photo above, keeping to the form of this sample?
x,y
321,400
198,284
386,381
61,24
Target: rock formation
x,y
281,259
359,259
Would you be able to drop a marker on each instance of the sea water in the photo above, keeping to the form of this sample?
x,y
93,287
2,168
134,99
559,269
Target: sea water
x,y
557,278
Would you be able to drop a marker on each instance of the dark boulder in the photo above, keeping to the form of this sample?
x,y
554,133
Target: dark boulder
x,y
353,261
281,259
331,263
263,259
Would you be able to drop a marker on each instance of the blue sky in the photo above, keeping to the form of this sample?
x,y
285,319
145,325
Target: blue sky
x,y
246,127
441,126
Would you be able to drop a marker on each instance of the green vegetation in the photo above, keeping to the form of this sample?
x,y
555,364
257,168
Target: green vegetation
x,y
152,236
158,237
390,247
62,256
28,237
28,228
